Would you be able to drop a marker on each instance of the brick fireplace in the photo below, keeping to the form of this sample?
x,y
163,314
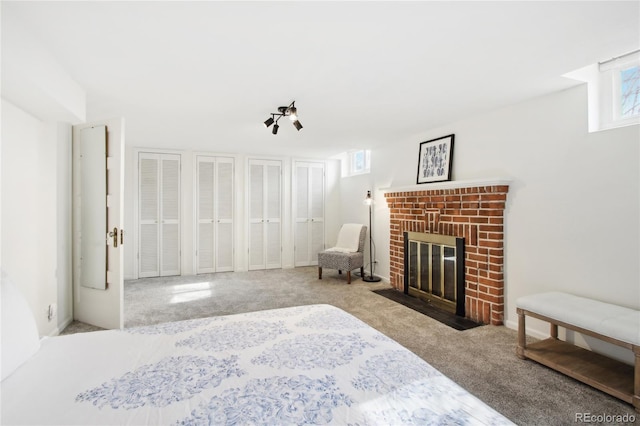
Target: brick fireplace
x,y
472,210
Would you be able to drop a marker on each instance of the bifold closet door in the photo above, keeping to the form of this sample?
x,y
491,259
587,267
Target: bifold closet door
x,y
159,214
309,212
265,214
215,197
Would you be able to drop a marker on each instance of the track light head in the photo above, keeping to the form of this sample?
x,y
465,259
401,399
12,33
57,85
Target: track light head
x,y
293,113
297,125
269,122
275,129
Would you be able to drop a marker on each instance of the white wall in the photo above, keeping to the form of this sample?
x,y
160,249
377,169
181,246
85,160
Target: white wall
x,y
332,210
39,100
33,80
572,217
352,195
36,213
64,252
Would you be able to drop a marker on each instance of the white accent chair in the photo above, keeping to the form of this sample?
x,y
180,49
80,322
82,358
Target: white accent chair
x,y
348,254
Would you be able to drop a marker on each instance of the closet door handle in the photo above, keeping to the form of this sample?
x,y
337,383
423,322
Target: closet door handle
x,y
114,234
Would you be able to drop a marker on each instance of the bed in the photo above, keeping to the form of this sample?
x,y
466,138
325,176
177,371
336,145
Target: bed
x,y
301,365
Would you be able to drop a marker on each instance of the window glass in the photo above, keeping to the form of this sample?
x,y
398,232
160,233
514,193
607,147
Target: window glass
x,y
630,92
359,162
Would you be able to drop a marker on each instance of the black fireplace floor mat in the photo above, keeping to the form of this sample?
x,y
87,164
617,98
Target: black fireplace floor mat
x,y
446,318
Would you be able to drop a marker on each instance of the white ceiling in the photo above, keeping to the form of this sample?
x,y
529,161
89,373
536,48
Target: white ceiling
x,y
205,75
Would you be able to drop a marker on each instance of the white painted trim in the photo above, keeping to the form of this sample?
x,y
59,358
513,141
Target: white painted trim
x,y
454,184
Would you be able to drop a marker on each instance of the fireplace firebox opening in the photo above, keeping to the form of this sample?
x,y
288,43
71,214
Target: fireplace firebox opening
x,y
434,270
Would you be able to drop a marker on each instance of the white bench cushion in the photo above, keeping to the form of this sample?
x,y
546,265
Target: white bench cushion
x,y
599,317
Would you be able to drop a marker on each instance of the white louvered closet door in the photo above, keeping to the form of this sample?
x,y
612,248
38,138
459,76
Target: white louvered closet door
x,y
159,215
265,214
309,212
214,252
170,215
149,217
224,196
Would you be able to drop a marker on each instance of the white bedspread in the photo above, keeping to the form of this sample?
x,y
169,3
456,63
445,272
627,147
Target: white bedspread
x,y
303,365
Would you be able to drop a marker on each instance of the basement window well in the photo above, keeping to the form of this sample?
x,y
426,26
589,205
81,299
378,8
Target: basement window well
x,y
355,162
359,162
613,91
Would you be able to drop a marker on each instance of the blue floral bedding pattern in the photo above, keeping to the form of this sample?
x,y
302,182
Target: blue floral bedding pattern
x,y
313,351
323,320
303,365
170,380
239,335
390,370
293,400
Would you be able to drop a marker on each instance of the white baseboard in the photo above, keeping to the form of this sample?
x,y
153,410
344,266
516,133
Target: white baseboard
x,y
61,327
529,331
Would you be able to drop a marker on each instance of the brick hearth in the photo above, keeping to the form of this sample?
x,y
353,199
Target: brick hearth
x,y
473,212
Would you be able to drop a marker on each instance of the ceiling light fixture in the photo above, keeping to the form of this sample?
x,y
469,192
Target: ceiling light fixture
x,y
284,111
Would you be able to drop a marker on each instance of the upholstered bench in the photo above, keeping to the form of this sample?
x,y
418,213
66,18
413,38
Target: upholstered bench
x,y
610,323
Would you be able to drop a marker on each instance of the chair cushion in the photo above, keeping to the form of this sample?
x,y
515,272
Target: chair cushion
x,y
348,238
341,261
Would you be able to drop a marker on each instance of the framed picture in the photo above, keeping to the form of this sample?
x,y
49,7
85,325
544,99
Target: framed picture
x,y
435,160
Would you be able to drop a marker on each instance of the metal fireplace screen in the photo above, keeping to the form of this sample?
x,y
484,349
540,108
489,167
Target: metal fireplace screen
x,y
434,270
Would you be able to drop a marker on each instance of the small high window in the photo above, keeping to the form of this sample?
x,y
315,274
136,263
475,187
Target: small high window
x,y
359,162
613,91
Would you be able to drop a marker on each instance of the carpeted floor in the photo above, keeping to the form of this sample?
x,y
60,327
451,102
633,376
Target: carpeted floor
x,y
480,359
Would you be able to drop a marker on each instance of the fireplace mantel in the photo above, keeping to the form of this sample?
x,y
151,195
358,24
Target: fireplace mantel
x,y
453,184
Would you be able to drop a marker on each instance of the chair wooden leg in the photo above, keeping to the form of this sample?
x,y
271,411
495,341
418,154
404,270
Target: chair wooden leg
x,y
348,277
362,271
319,273
340,271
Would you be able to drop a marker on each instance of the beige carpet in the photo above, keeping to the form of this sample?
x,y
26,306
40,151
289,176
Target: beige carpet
x,y
482,360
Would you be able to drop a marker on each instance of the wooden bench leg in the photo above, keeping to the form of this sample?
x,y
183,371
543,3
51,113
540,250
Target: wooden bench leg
x,y
636,381
319,273
522,342
553,331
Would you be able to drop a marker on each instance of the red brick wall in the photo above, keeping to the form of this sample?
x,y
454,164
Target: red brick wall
x,y
475,213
